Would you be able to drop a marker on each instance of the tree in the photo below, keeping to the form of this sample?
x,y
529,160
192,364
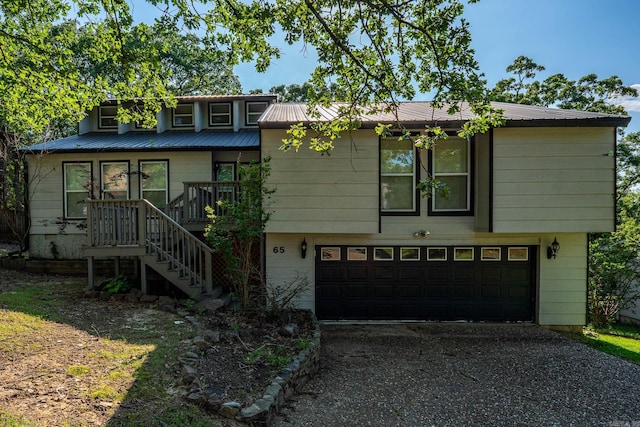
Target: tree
x,y
587,93
306,92
377,52
238,230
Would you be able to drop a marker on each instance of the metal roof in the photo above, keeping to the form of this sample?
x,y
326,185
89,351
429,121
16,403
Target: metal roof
x,y
421,113
144,141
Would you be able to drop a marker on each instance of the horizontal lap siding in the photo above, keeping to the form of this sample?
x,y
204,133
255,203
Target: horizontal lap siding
x,y
324,194
553,180
562,297
46,192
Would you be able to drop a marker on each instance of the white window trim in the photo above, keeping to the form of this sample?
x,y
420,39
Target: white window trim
x,y
247,114
166,171
66,191
229,114
175,114
414,205
103,191
446,174
102,115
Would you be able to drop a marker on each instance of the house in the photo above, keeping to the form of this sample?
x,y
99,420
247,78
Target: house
x,y
117,190
507,243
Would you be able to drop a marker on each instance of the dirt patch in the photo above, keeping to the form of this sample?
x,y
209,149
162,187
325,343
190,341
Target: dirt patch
x,y
69,360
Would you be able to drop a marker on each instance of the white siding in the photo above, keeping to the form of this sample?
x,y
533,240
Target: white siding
x,y
324,194
46,192
562,292
553,180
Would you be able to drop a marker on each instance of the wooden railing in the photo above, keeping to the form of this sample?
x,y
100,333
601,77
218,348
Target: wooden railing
x,y
139,223
189,207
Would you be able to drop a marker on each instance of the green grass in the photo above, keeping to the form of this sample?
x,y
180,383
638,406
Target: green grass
x,y
8,420
130,365
617,339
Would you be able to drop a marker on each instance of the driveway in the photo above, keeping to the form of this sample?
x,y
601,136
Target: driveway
x,y
451,374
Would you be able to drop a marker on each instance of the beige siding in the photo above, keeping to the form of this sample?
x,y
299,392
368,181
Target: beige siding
x,y
46,192
562,293
324,194
553,180
561,287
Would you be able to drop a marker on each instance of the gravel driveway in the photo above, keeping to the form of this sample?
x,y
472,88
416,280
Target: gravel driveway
x,y
431,374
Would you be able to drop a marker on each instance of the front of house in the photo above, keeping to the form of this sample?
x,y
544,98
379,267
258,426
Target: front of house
x,y
353,223
377,249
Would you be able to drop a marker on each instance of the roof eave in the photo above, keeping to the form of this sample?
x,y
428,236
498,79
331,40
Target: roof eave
x,y
590,122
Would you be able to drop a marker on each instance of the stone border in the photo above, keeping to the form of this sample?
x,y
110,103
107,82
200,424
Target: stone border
x,y
292,378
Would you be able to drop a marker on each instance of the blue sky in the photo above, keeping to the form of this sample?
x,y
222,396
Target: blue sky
x,y
572,37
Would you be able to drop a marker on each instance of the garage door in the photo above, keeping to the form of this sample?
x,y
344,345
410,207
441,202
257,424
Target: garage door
x,y
492,283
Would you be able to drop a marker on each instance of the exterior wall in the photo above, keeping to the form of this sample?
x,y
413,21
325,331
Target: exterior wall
x,y
334,200
46,192
553,180
562,292
314,193
561,287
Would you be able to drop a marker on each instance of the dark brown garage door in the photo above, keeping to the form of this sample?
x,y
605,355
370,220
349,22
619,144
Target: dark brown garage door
x,y
492,283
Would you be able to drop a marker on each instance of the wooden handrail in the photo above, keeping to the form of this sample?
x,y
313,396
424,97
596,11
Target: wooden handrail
x,y
140,223
189,207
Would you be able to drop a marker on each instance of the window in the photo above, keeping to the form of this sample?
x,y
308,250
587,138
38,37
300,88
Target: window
x,y
451,166
77,185
436,254
220,114
410,254
357,254
107,118
114,180
397,176
154,182
254,111
183,115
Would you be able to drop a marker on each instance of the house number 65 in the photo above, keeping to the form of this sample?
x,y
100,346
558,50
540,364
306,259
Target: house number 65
x,y
278,249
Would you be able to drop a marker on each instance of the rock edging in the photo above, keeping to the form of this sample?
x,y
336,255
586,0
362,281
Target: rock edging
x,y
291,379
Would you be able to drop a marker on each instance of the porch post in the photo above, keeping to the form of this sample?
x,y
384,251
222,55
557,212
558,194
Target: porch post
x,y
208,271
91,273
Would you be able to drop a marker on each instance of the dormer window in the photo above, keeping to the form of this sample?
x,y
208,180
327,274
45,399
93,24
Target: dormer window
x,y
220,114
107,118
254,111
183,115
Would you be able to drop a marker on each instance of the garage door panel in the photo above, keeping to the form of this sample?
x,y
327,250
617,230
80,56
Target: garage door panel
x,y
330,290
488,291
463,291
381,290
356,272
463,272
410,273
355,290
409,290
495,289
437,291
329,273
490,273
383,272
436,273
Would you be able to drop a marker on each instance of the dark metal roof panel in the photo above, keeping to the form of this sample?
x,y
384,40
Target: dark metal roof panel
x,y
142,141
422,112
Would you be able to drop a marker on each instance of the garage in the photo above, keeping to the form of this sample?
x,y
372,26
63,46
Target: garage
x,y
473,283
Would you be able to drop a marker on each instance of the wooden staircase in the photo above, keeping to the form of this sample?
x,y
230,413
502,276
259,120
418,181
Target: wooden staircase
x,y
136,228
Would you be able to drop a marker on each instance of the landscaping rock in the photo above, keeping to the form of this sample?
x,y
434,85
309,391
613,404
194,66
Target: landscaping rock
x,y
148,299
209,305
167,304
229,409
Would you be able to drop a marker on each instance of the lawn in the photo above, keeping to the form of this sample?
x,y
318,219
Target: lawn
x,y
618,340
69,361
